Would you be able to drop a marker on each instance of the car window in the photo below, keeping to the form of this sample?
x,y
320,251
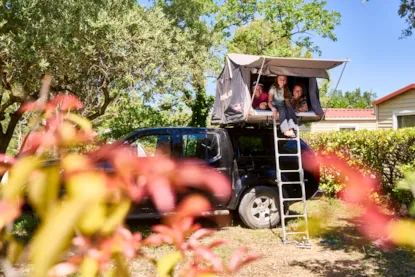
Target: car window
x,y
201,146
251,146
153,145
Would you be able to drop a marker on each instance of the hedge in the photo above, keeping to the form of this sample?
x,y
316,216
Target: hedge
x,y
389,153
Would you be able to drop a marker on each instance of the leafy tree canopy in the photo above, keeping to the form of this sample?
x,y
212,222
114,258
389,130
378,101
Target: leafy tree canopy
x,y
407,11
130,112
93,49
213,23
348,99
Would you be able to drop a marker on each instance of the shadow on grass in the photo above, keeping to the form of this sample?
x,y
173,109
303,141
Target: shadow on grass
x,y
389,262
333,269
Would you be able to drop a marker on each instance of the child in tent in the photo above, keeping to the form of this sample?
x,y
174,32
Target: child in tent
x,y
260,100
280,104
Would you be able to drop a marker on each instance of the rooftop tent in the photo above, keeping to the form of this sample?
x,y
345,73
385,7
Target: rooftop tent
x,y
233,98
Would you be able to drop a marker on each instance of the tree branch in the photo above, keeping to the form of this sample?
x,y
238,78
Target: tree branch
x,y
101,111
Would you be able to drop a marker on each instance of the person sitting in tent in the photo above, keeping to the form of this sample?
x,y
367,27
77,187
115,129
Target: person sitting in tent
x,y
280,104
260,97
297,100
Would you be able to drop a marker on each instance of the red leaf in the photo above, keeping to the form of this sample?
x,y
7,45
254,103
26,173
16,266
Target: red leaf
x,y
190,175
170,235
156,239
35,139
208,255
237,259
200,233
5,159
62,269
66,102
6,162
30,106
193,205
9,211
162,194
374,223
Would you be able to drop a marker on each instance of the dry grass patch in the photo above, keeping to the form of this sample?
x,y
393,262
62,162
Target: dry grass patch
x,y
337,248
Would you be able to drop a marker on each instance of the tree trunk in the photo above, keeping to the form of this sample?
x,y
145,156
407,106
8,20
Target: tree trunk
x,y
6,137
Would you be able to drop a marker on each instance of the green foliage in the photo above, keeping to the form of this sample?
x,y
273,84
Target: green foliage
x,y
261,37
348,99
130,112
211,23
94,50
383,152
407,11
24,227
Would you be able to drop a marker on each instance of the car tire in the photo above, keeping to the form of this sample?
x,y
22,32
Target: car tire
x,y
260,208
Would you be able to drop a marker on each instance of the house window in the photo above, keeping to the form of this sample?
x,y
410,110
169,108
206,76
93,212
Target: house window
x,y
346,127
406,121
403,119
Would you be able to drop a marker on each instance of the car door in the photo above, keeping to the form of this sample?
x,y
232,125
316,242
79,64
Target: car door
x,y
151,143
204,148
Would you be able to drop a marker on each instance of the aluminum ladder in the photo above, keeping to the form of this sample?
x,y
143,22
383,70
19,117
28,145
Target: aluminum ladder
x,y
306,241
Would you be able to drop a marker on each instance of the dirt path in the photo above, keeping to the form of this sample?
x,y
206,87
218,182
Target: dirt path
x,y
337,249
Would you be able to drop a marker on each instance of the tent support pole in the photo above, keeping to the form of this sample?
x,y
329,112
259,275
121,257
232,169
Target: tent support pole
x,y
257,80
338,81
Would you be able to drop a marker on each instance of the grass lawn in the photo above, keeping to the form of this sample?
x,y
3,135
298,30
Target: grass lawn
x,y
337,248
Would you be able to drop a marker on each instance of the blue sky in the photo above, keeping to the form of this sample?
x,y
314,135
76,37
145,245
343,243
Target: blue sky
x,y
369,36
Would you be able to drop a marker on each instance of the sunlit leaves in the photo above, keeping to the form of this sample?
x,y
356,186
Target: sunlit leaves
x,y
82,201
116,216
167,263
55,234
386,153
18,177
43,189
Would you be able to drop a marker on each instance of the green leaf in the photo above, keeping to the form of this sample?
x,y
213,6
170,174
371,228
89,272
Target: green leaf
x,y
18,177
121,267
116,217
55,234
44,189
82,122
167,263
89,267
93,218
14,250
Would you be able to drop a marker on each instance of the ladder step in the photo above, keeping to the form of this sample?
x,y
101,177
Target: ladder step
x,y
288,155
292,199
280,138
293,233
291,170
294,215
291,183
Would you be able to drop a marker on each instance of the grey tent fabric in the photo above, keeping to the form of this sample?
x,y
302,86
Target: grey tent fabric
x,y
314,96
233,99
286,66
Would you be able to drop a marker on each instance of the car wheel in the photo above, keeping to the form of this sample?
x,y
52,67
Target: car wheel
x,y
259,208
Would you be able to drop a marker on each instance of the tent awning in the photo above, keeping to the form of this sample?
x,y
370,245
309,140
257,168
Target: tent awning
x,y
299,67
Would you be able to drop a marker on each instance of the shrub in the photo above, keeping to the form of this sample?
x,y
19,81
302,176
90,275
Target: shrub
x,y
89,218
386,153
